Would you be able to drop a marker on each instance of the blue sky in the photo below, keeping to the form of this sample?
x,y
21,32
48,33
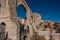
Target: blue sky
x,y
48,9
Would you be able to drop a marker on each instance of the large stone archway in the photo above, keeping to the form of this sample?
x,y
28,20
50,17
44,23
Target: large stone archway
x,y
28,15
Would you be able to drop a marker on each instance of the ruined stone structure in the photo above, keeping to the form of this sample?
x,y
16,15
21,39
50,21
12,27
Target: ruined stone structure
x,y
33,25
7,10
8,16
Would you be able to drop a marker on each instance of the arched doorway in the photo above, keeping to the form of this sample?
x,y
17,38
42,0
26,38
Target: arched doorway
x,y
21,11
2,31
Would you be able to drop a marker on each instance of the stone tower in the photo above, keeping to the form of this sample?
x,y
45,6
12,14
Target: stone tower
x,y
8,17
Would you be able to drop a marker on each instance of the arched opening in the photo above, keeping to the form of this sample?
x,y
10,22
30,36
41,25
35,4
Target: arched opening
x,y
25,37
2,30
27,28
3,24
21,11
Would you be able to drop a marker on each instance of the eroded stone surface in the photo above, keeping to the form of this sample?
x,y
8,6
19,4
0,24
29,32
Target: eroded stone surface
x,y
33,24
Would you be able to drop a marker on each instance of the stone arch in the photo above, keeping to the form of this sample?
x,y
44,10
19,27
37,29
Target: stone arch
x,y
28,19
3,23
23,2
21,10
26,7
23,6
2,30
